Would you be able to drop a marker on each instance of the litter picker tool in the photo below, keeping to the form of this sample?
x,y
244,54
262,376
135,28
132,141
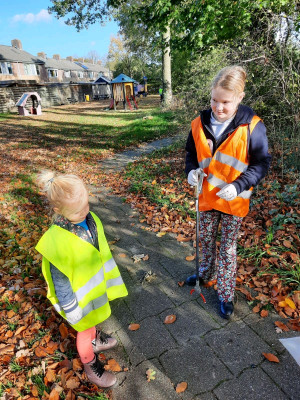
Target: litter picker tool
x,y
198,189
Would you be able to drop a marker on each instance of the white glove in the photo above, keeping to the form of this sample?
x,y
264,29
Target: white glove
x,y
74,316
228,192
193,176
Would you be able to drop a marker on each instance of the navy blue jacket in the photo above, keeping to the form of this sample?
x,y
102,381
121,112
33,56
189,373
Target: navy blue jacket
x,y
259,157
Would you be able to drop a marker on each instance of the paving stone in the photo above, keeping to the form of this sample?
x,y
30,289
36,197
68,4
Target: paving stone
x,y
136,387
238,346
196,364
206,396
152,338
265,328
286,374
192,322
148,301
252,384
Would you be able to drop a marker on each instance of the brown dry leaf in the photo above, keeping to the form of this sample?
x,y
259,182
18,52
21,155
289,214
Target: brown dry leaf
x,y
122,255
181,283
181,238
113,365
257,308
50,376
281,325
19,330
270,357
170,319
146,257
40,352
134,327
63,330
287,244
54,395
282,304
181,387
73,383
190,258
264,313
70,395
35,391
77,364
210,283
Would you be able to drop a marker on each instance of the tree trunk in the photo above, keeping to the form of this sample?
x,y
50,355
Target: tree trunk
x,y
167,84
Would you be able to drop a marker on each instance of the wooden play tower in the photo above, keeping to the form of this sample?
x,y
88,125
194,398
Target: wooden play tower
x,y
123,90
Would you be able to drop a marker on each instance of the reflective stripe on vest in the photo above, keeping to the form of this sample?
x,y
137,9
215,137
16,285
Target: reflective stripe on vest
x,y
224,167
93,274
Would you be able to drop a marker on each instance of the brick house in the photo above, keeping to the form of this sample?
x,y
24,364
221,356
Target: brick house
x,y
16,64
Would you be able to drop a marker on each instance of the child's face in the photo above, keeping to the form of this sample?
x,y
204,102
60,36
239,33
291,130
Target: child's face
x,y
224,103
76,211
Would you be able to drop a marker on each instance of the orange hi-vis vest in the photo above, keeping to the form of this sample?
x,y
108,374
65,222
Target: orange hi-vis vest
x,y
224,167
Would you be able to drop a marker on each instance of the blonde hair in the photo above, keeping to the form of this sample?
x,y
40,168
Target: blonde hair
x,y
231,78
60,189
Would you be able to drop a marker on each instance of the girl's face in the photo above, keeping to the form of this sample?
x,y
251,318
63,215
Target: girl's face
x,y
76,210
224,103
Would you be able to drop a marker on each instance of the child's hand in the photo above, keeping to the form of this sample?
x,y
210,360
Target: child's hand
x,y
228,192
74,316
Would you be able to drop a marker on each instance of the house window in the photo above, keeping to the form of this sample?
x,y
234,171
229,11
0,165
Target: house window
x,y
52,73
30,69
80,74
68,74
91,74
5,68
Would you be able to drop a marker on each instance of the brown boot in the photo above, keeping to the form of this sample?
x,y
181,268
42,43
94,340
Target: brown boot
x,y
103,342
96,374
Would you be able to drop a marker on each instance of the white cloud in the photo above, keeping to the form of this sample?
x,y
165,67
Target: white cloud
x,y
29,18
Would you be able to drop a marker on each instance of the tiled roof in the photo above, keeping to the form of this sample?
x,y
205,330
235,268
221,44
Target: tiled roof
x,y
103,80
12,54
93,67
61,64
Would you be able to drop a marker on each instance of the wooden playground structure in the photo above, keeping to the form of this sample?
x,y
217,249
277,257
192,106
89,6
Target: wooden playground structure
x,y
123,91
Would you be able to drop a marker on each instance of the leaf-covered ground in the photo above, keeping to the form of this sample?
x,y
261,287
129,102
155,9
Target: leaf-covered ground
x,y
38,357
35,348
268,246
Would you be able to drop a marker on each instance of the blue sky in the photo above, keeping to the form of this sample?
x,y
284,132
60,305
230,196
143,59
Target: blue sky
x,y
38,31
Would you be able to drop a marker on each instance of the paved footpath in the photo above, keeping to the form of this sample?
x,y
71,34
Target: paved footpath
x,y
218,359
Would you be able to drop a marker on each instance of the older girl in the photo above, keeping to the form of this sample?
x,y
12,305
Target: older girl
x,y
229,142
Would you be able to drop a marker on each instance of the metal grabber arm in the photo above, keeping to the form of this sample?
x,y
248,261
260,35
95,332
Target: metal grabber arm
x,y
198,189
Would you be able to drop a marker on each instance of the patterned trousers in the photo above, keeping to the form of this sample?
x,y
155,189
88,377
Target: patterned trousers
x,y
225,269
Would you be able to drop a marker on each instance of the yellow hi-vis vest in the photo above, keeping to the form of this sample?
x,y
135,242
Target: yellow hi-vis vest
x,y
93,274
224,167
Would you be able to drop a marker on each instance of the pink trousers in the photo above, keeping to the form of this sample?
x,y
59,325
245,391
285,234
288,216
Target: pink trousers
x,y
84,344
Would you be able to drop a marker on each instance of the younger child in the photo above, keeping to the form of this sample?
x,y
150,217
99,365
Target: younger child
x,y
81,275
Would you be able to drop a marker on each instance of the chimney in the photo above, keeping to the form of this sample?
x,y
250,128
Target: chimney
x,y
99,62
41,54
70,58
56,56
17,44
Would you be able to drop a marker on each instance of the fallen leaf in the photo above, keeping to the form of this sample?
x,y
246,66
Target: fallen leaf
x,y
137,257
146,258
63,330
264,313
282,303
281,325
134,327
287,244
54,395
73,383
122,255
170,319
190,258
290,303
113,365
160,234
181,283
257,308
270,357
181,387
150,373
